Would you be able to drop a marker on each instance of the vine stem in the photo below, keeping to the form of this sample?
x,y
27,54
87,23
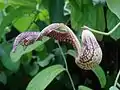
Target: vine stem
x,y
66,66
116,80
103,33
36,14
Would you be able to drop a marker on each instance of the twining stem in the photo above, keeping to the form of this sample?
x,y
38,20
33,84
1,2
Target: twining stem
x,y
66,66
116,80
118,84
33,21
103,33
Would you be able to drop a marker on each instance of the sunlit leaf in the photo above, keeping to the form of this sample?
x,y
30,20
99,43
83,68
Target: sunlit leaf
x,y
34,27
1,6
44,15
45,77
27,3
24,22
98,71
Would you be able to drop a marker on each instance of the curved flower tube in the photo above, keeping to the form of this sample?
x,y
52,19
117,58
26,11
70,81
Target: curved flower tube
x,y
91,53
25,39
88,55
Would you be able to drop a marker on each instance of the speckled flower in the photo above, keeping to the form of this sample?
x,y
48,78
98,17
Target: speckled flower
x,y
88,55
25,39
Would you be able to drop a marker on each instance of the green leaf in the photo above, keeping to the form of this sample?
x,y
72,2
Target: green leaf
x,y
34,27
84,16
45,77
42,53
98,71
31,69
44,15
45,61
9,9
40,48
114,6
6,61
34,70
112,20
26,58
72,53
58,55
7,20
23,23
1,16
20,50
56,10
110,79
81,87
26,3
113,88
3,78
100,22
1,6
89,15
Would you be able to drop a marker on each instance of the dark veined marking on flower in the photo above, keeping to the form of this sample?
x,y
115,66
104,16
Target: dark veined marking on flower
x,y
88,55
25,39
91,52
62,33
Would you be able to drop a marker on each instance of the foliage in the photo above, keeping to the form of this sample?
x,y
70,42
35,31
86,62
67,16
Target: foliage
x,y
116,83
35,66
46,76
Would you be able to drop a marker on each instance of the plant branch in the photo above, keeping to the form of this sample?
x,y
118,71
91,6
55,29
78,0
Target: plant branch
x,y
118,85
66,66
36,14
103,33
116,80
